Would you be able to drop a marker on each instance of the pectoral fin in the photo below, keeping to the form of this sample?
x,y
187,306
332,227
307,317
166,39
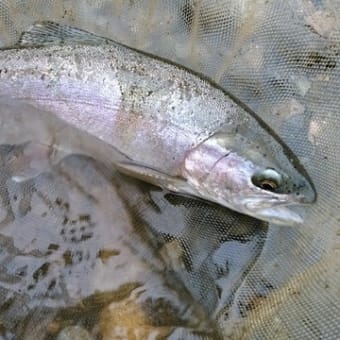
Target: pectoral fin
x,y
156,178
51,33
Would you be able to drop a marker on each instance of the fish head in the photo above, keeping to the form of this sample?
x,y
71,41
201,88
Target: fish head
x,y
249,175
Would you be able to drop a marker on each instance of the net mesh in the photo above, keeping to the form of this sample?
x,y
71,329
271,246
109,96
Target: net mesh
x,y
88,253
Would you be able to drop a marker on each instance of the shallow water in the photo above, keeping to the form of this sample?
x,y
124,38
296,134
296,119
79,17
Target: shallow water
x,y
84,246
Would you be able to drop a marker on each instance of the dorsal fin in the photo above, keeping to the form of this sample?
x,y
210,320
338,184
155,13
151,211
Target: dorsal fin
x,y
51,33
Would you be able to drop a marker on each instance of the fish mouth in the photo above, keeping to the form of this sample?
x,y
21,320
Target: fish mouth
x,y
281,215
276,211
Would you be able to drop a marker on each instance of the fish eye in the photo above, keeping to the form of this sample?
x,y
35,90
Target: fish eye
x,y
268,185
269,179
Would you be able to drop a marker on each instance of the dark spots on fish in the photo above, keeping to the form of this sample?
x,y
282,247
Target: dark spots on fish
x,y
15,198
325,157
41,272
43,77
149,93
44,214
298,187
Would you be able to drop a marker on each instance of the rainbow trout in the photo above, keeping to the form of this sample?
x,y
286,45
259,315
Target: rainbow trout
x,y
177,130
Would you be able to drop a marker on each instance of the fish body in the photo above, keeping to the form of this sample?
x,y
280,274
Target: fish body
x,y
151,112
176,129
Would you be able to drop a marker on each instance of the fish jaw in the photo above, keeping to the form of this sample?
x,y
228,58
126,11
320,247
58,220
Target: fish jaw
x,y
280,214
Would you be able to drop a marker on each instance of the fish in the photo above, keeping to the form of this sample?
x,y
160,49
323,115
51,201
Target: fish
x,y
176,128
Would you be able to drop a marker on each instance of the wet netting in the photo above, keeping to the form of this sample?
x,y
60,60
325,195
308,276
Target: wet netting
x,y
86,253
